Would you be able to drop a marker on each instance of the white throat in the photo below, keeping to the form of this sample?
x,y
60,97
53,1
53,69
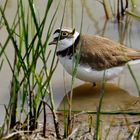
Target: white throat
x,y
67,42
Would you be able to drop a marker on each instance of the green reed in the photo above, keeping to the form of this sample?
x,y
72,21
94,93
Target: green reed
x,y
119,8
134,78
29,87
1,64
102,92
134,3
105,9
132,14
68,123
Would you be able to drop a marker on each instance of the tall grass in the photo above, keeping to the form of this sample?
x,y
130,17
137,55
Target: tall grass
x,y
29,86
134,78
68,125
97,134
119,8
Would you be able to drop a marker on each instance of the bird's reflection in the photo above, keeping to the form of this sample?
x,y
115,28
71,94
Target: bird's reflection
x,y
86,98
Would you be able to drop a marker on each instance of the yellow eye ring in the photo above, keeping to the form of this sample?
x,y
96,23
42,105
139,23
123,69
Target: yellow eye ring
x,y
65,34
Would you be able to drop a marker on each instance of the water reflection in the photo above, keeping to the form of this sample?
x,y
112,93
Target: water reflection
x,y
126,32
86,98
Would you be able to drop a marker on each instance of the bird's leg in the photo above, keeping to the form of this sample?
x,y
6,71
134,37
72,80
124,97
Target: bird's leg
x,y
94,84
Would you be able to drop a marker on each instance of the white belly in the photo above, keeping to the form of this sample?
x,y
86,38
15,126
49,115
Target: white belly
x,y
88,74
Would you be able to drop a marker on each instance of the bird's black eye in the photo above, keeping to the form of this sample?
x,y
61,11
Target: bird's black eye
x,y
64,34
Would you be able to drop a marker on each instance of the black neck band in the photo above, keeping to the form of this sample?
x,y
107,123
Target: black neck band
x,y
70,50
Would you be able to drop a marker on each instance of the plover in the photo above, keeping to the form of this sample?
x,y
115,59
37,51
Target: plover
x,y
97,54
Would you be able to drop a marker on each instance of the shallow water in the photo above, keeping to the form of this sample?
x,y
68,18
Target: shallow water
x,y
85,103
93,23
86,98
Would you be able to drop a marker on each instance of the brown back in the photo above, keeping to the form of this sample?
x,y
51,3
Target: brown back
x,y
101,53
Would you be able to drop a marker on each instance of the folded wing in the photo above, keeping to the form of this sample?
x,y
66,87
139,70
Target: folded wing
x,y
101,53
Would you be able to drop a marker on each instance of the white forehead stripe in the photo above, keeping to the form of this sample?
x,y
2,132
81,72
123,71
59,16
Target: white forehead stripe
x,y
64,29
55,35
68,30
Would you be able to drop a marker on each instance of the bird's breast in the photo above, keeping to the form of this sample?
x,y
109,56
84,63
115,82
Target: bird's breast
x,y
88,74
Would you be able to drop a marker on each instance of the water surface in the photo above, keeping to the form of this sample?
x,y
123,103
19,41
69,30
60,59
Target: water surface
x,y
93,23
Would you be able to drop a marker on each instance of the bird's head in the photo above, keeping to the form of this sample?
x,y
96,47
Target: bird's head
x,y
64,37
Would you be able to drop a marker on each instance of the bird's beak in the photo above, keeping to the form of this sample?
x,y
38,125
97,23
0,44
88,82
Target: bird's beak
x,y
54,42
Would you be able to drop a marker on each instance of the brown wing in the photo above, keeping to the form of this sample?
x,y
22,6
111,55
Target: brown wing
x,y
101,53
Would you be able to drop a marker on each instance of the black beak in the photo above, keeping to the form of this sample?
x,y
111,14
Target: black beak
x,y
54,42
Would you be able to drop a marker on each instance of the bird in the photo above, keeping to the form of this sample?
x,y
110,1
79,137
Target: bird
x,y
96,56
